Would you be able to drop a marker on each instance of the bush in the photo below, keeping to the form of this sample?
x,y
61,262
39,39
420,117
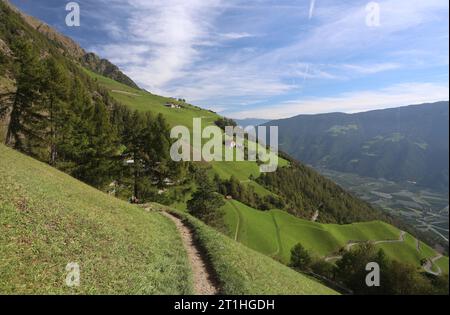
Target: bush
x,y
300,258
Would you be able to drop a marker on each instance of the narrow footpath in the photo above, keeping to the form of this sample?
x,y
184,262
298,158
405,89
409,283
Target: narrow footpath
x,y
203,278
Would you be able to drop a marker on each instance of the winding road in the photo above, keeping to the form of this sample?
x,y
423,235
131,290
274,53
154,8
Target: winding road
x,y
427,267
350,244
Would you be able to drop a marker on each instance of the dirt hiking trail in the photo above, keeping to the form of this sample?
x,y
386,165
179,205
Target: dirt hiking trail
x,y
204,283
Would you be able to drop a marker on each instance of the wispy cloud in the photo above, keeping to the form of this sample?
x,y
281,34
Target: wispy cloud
x,y
162,39
236,35
371,68
237,54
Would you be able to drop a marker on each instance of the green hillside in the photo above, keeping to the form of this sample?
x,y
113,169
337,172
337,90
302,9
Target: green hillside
x,y
317,190
142,100
48,219
147,102
116,137
275,232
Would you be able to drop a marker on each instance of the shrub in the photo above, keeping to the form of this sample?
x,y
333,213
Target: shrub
x,y
300,258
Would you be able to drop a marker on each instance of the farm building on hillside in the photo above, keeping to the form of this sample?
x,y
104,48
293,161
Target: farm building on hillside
x,y
230,144
172,105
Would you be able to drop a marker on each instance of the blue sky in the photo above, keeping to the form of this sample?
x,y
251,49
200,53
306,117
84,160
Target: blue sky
x,y
269,58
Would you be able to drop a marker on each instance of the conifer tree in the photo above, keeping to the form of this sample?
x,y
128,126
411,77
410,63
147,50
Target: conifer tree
x,y
98,163
206,203
133,140
29,84
55,96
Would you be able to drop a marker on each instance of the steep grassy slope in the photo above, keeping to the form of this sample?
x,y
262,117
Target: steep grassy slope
x,y
275,232
48,219
243,271
144,101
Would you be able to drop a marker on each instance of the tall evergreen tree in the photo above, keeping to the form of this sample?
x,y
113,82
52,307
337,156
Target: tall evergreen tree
x,y
206,203
55,96
157,148
133,140
29,84
98,164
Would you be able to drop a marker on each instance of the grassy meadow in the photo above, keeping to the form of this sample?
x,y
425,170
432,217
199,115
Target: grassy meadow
x,y
48,219
275,232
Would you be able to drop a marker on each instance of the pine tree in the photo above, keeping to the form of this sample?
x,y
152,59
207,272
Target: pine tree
x,y
206,203
300,258
157,148
75,131
87,143
55,96
29,81
104,147
133,140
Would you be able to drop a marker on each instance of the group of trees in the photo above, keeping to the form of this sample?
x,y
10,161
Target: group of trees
x,y
308,192
57,114
146,145
350,272
223,122
246,194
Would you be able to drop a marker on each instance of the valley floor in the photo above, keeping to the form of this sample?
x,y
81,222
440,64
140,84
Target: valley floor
x,y
425,209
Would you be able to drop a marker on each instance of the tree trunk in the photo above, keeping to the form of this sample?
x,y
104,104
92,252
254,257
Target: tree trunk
x,y
13,121
136,174
52,136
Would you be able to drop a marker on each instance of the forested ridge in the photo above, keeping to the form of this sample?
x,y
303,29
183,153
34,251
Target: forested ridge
x,y
408,143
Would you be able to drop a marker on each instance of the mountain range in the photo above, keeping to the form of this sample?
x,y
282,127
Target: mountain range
x,y
405,144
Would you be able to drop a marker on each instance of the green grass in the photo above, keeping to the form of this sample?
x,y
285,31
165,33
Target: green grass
x,y
275,232
254,227
48,219
443,263
144,101
241,170
241,270
407,252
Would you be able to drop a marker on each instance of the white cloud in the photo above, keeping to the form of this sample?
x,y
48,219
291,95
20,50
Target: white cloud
x,y
161,39
371,68
392,96
181,48
232,36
